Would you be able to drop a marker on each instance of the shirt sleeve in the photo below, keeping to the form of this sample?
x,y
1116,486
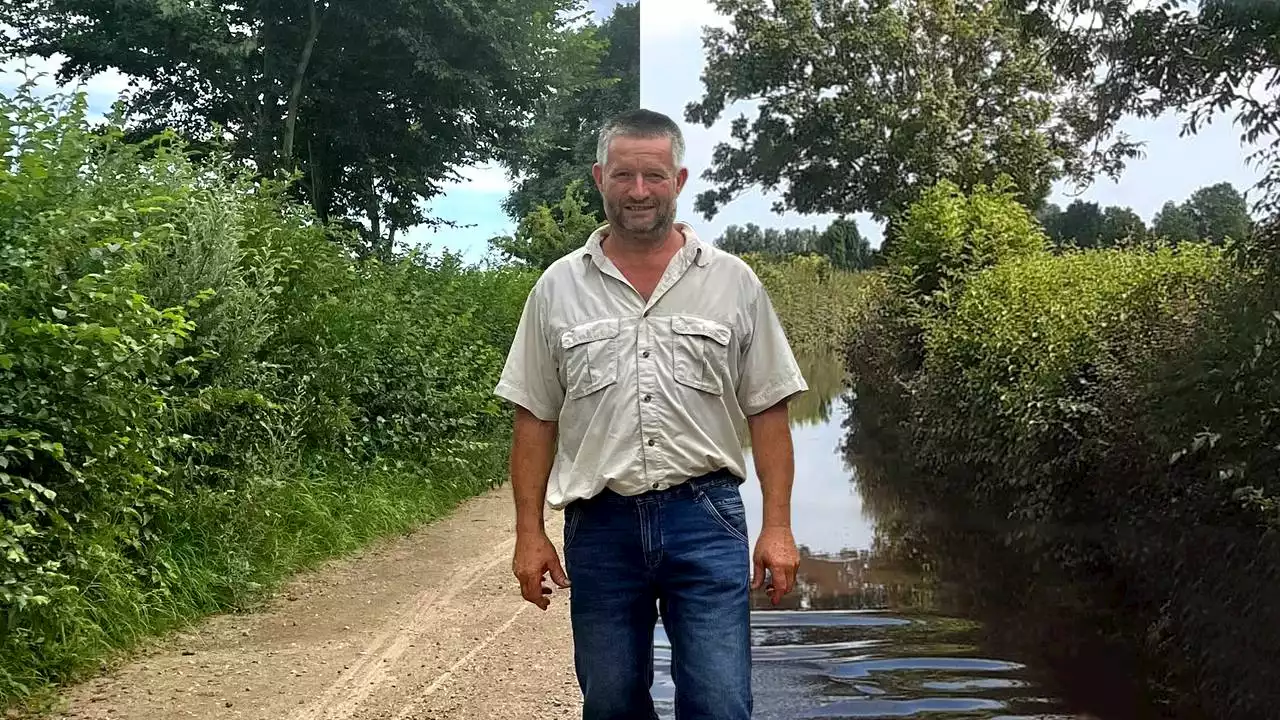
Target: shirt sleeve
x,y
530,377
769,371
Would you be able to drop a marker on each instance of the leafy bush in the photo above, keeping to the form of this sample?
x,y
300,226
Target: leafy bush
x,y
548,233
201,391
1011,377
948,235
1113,412
813,299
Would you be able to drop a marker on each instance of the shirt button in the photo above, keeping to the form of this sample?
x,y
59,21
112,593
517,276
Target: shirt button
x,y
644,354
647,398
657,485
652,442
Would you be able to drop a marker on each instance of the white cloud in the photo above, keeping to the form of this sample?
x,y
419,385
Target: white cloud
x,y
487,178
678,19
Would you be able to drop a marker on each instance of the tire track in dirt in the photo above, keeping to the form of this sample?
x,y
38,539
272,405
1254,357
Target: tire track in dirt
x,y
424,627
365,677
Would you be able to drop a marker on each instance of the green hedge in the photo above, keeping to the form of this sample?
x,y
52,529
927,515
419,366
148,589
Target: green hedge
x,y
202,390
813,299
1114,412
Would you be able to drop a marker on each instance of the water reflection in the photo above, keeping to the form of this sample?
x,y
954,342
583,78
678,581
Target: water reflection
x,y
872,630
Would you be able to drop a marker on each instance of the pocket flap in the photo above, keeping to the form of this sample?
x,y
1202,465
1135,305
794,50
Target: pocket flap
x,y
589,332
685,325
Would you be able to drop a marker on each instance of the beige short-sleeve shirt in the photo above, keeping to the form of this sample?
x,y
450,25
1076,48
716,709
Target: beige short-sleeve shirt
x,y
647,394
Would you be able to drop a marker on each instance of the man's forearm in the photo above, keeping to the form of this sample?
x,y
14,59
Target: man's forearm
x,y
533,446
775,463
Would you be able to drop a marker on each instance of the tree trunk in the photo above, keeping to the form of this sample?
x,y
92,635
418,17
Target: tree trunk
x,y
299,75
372,208
265,143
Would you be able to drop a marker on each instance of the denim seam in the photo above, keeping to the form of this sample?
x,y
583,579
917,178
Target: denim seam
x,y
705,501
571,527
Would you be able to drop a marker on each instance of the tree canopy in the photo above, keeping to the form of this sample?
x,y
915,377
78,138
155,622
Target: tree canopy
x,y
1201,57
560,146
862,105
841,243
1212,214
375,104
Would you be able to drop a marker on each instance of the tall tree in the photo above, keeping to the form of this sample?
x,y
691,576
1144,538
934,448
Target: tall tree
x,y
863,104
844,245
550,231
375,103
1121,226
560,147
1201,57
1080,225
1219,212
1175,224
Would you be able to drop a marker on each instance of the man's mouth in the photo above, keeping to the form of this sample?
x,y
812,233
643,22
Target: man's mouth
x,y
638,208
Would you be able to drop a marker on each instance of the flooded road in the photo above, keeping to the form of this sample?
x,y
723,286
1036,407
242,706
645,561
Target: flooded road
x,y
866,634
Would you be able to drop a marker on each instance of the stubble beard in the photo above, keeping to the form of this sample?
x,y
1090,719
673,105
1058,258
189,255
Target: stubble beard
x,y
651,232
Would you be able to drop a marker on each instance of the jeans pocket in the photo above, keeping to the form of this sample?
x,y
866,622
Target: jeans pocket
x,y
572,517
724,505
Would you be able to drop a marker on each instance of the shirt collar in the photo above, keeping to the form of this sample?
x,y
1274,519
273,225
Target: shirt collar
x,y
694,250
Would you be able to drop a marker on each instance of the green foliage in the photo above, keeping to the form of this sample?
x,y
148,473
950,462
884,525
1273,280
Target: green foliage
x,y
1114,412
1010,371
560,147
1086,225
1174,223
200,391
864,105
813,299
1143,59
375,104
948,235
844,246
549,233
840,243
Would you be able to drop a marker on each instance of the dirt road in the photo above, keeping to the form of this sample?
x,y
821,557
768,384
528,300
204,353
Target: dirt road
x,y
426,626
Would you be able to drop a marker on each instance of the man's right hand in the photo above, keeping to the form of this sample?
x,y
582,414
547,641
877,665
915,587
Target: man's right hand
x,y
535,558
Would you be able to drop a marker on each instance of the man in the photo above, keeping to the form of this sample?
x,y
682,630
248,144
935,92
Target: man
x,y
635,358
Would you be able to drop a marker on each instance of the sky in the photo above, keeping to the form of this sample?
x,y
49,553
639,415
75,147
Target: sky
x,y
671,64
672,60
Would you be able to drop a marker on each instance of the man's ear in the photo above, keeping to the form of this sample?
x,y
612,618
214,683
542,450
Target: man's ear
x,y
597,172
682,177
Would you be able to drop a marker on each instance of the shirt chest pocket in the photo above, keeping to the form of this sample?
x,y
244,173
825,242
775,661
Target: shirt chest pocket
x,y
590,357
701,352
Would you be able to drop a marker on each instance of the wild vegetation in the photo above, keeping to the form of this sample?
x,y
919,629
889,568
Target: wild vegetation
x,y
201,390
1112,410
219,362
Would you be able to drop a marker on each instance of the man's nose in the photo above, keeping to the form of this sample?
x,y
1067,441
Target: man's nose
x,y
637,189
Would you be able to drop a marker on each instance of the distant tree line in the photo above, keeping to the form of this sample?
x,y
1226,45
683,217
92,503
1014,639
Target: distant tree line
x,y
840,242
1212,214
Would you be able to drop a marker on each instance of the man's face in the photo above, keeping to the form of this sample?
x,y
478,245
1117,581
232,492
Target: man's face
x,y
640,184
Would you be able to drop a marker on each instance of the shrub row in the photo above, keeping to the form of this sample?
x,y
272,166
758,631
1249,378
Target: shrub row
x,y
201,390
1115,410
814,299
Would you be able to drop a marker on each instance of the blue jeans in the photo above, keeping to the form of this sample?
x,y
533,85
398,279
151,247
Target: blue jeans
x,y
680,552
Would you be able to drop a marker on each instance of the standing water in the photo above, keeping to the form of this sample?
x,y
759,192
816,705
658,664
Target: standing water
x,y
863,635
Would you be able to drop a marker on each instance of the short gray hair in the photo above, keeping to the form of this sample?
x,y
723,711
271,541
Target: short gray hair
x,y
643,124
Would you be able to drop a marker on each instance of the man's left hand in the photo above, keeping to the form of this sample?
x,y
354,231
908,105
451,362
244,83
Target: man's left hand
x,y
776,551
